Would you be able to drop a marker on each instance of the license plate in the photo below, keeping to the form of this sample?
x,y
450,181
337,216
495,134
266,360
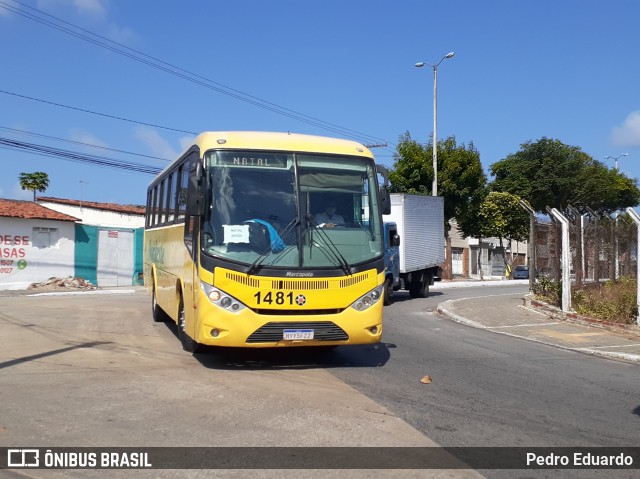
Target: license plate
x,y
297,334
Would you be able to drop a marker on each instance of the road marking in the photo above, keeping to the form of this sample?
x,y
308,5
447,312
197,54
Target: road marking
x,y
522,325
569,337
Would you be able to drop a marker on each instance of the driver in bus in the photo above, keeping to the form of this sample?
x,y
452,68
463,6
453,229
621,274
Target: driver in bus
x,y
328,218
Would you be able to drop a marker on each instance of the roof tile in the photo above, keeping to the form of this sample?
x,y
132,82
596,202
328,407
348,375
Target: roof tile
x,y
30,210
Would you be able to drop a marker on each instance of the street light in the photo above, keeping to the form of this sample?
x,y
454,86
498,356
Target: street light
x,y
615,159
434,189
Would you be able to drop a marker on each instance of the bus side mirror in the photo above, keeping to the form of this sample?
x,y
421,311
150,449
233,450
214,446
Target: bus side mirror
x,y
195,195
385,197
385,201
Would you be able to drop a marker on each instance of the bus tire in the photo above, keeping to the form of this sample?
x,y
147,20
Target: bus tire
x,y
157,313
388,291
188,344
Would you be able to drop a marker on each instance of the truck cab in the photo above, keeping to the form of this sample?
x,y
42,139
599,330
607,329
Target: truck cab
x,y
391,261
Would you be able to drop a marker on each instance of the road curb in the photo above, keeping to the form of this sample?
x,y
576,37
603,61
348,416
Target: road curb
x,y
442,310
85,293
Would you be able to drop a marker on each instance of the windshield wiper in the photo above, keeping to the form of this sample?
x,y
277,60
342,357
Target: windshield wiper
x,y
331,246
262,256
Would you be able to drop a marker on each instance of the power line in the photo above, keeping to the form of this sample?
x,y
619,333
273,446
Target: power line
x,y
95,112
182,73
78,157
39,135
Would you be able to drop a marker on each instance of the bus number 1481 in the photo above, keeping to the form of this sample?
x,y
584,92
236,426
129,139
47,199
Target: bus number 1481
x,y
271,298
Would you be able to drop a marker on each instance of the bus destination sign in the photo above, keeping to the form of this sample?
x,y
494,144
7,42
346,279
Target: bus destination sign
x,y
256,159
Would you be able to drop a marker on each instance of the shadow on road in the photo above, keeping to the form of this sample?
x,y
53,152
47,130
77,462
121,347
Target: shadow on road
x,y
402,296
310,357
303,357
35,357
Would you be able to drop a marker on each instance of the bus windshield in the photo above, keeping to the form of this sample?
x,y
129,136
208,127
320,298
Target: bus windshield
x,y
291,210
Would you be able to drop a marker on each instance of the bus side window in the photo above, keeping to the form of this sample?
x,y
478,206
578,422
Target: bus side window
x,y
181,191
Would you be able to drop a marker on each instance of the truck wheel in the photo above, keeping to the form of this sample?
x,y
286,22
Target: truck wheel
x,y
419,289
188,344
388,292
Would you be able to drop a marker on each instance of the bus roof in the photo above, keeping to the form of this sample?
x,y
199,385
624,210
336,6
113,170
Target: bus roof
x,y
274,141
254,140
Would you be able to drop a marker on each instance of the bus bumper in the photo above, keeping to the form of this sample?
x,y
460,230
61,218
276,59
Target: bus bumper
x,y
247,328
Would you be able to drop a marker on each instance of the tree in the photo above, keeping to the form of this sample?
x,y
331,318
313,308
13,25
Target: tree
x,y
550,173
462,182
605,190
461,179
503,218
412,170
37,181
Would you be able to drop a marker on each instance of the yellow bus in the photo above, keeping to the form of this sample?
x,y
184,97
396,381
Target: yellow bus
x,y
242,248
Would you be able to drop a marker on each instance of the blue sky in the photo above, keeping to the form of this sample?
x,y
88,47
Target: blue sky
x,y
564,69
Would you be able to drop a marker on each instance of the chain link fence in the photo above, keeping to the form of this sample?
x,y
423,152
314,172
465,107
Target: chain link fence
x,y
601,248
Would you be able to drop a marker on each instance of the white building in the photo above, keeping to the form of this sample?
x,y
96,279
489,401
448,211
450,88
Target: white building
x,y
36,243
465,252
104,215
109,240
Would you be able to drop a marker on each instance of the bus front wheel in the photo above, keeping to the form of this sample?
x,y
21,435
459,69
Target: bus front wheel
x,y
188,344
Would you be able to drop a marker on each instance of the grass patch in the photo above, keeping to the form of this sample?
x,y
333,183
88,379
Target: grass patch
x,y
613,301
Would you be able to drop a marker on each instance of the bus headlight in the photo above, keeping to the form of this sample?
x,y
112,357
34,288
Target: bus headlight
x,y
220,298
368,300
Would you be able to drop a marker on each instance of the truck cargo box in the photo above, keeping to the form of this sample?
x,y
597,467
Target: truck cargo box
x,y
420,221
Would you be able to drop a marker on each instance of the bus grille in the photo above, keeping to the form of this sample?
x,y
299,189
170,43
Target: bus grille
x,y
296,284
243,279
323,331
299,285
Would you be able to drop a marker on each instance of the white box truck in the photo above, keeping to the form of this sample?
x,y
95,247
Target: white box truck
x,y
414,243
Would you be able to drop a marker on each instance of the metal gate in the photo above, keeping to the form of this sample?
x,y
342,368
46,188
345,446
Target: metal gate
x,y
115,258
456,260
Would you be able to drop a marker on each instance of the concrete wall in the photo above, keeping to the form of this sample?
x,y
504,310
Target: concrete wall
x,y
24,259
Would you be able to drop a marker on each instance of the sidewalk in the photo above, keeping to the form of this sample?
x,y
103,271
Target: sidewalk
x,y
506,314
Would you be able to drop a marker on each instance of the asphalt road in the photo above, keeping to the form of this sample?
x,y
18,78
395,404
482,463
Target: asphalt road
x,y
95,370
493,390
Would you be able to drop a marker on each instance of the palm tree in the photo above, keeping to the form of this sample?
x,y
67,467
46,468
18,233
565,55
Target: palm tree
x,y
37,181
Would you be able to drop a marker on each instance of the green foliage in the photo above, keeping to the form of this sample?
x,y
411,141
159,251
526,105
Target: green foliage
x,y
503,217
549,291
37,181
550,173
613,301
463,184
461,179
413,169
605,190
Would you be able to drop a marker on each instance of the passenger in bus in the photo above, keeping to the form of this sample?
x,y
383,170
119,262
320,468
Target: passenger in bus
x,y
328,218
